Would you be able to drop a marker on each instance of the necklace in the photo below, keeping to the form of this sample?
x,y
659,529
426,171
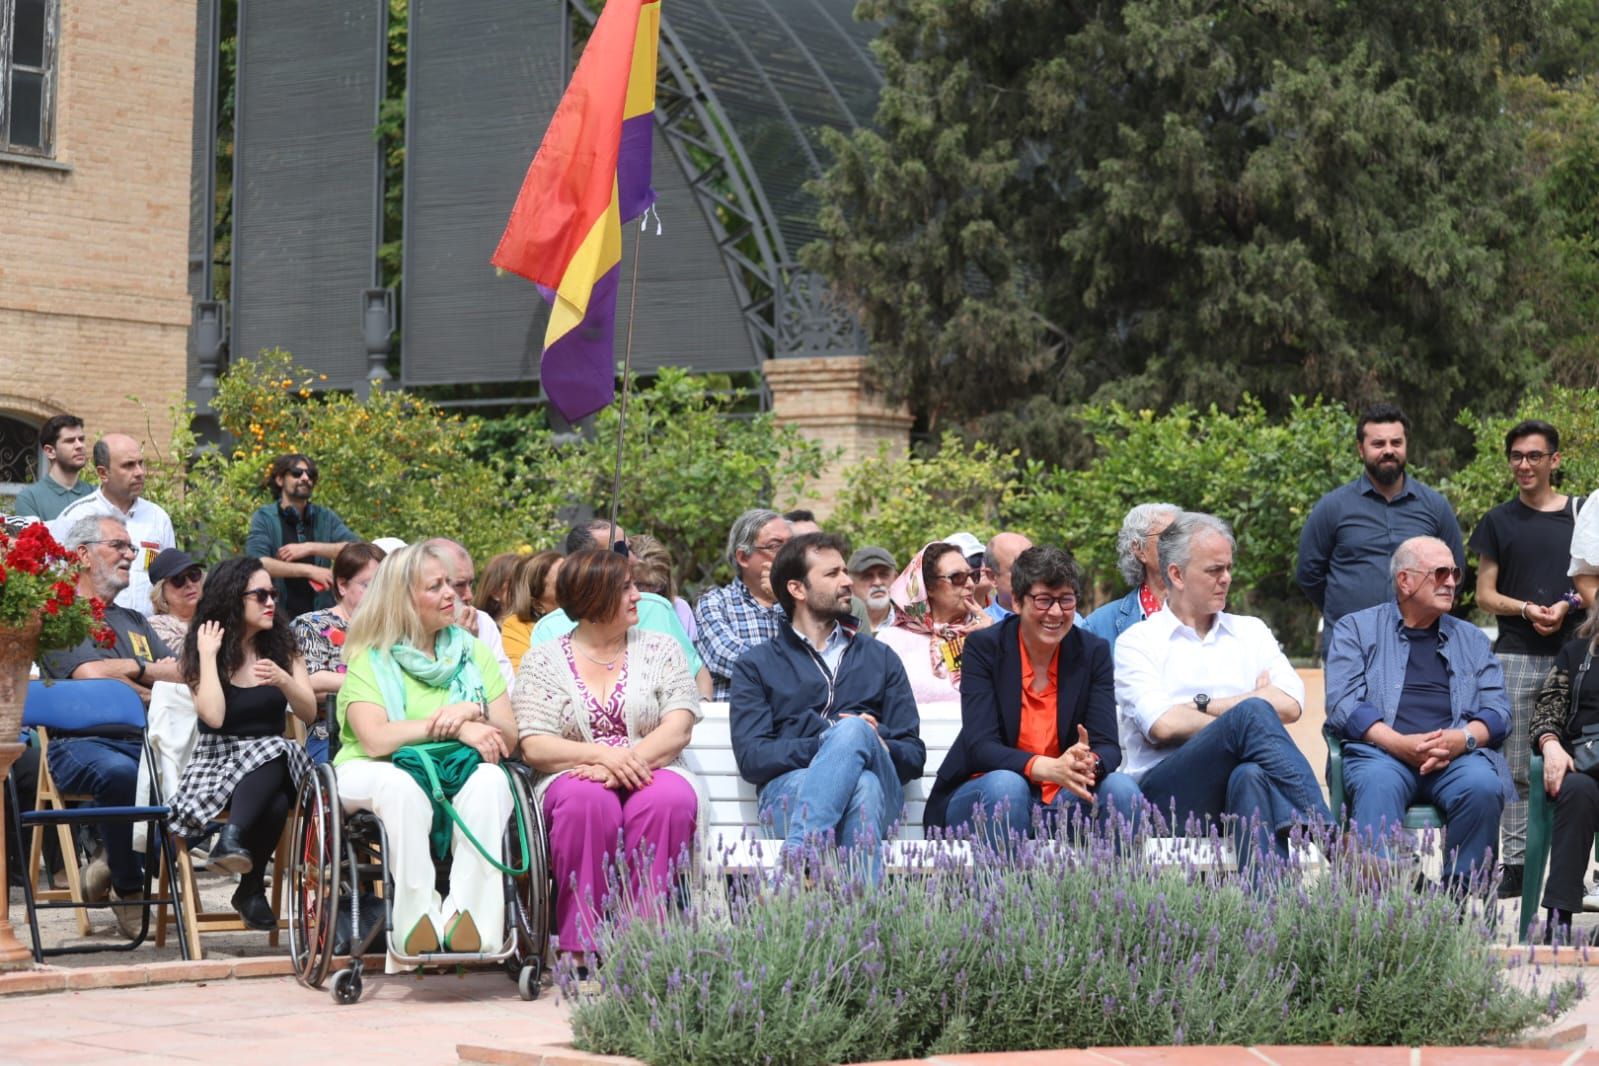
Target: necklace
x,y
609,664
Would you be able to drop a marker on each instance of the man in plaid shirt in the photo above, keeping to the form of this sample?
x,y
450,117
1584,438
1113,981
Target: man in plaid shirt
x,y
743,613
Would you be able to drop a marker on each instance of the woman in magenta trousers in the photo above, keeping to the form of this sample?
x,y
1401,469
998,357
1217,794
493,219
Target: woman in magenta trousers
x,y
604,714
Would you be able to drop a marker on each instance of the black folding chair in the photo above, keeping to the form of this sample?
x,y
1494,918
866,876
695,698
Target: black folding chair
x,y
96,707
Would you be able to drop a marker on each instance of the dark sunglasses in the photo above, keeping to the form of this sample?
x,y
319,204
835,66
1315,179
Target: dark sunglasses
x,y
1439,573
185,579
958,578
301,471
261,596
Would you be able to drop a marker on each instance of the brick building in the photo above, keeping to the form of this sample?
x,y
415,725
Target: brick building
x,y
96,120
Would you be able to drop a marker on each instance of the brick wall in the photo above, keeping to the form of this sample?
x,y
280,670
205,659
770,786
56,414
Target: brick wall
x,y
94,258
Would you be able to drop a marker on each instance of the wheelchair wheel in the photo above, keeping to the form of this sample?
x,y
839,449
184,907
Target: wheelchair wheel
x,y
347,986
315,859
528,895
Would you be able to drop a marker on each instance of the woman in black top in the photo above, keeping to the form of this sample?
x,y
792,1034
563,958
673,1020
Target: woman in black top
x,y
1561,725
240,662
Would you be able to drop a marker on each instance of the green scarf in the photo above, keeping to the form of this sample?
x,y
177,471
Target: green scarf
x,y
452,667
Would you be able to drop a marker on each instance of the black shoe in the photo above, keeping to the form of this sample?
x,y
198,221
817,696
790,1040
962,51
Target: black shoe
x,y
371,918
1510,881
229,854
252,905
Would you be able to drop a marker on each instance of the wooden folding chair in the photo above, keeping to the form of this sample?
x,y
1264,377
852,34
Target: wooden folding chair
x,y
50,798
198,922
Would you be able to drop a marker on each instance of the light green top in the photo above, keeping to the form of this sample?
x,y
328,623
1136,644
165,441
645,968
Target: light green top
x,y
361,686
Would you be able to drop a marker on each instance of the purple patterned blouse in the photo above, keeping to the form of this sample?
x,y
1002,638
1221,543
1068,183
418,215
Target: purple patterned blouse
x,y
608,721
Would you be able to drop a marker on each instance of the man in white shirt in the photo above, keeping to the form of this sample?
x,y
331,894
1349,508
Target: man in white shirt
x,y
1202,695
463,575
119,460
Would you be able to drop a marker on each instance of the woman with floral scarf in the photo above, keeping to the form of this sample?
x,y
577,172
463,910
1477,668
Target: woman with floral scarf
x,y
934,610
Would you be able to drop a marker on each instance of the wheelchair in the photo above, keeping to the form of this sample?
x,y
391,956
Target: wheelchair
x,y
335,859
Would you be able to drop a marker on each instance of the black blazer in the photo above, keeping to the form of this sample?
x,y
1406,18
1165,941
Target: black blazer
x,y
991,707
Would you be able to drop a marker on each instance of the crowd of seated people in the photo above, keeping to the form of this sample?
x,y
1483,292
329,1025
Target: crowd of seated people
x,y
587,661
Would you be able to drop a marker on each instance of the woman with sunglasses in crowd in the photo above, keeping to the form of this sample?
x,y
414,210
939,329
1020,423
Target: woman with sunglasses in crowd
x,y
934,612
175,583
240,663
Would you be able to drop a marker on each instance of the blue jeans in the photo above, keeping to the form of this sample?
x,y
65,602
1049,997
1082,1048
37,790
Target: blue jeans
x,y
850,789
1008,800
108,770
1243,764
1468,791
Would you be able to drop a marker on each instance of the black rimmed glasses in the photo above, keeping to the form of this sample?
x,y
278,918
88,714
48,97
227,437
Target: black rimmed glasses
x,y
1043,603
1533,458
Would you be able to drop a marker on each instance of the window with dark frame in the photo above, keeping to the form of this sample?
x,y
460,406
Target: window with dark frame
x,y
27,76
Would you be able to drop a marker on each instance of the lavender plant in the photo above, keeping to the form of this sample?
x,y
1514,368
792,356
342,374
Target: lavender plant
x,y
1072,941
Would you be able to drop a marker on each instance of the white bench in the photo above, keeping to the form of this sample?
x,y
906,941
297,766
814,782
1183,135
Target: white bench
x,y
735,840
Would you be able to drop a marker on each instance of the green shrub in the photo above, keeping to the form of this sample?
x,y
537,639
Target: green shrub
x,y
690,465
1486,481
1062,949
391,465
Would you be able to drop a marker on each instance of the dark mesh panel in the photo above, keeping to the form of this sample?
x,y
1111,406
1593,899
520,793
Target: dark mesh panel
x,y
307,178
781,71
200,162
485,78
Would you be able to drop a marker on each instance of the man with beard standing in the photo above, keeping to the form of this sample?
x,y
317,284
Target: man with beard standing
x,y
295,539
1354,530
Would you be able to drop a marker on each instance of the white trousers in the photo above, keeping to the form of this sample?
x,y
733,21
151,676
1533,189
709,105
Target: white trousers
x,y
477,888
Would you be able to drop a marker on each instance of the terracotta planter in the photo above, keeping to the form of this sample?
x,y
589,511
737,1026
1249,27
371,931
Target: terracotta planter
x,y
18,647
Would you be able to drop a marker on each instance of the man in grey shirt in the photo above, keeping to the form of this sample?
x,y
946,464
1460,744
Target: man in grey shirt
x,y
1354,530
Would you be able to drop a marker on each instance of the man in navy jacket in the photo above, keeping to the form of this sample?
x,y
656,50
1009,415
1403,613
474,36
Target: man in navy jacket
x,y
823,720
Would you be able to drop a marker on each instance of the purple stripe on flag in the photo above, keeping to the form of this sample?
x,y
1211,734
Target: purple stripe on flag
x,y
578,371
633,191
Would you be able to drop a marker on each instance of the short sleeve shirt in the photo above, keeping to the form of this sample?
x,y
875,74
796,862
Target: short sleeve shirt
x,y
47,497
361,686
1532,549
135,640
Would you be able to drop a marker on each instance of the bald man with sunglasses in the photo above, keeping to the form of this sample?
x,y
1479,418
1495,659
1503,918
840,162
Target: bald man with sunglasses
x,y
1419,701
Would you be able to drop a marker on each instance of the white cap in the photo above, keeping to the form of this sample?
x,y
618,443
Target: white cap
x,y
968,544
390,545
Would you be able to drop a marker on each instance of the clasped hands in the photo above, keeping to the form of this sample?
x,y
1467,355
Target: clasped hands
x,y
1429,752
615,768
1072,770
464,722
1547,620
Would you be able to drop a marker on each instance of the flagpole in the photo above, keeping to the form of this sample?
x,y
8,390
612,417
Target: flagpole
x,y
627,376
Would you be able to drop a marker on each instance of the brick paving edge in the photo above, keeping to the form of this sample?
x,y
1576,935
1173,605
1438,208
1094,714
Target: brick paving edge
x,y
46,979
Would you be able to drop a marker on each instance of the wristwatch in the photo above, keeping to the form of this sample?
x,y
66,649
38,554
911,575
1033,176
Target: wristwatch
x,y
1471,739
1201,701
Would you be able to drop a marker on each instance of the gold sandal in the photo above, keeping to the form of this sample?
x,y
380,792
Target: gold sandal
x,y
461,935
423,939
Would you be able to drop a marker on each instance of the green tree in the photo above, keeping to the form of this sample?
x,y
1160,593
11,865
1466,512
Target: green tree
x,y
690,465
1176,201
391,465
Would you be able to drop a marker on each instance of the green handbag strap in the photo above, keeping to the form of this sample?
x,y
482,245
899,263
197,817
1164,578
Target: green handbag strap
x,y
441,800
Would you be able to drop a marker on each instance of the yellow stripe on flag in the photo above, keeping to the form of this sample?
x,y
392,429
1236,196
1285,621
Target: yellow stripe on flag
x,y
600,251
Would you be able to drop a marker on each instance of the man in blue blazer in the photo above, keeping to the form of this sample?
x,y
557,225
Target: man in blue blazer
x,y
1038,714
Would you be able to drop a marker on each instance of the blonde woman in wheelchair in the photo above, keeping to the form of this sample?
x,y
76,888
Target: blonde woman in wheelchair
x,y
415,677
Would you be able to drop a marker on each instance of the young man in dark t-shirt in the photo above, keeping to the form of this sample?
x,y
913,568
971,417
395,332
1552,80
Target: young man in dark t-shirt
x,y
1523,546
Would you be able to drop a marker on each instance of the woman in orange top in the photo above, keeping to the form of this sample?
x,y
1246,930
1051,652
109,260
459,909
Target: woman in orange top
x,y
1038,715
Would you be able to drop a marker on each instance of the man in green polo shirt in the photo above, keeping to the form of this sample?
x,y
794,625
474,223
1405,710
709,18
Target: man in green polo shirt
x,y
66,449
296,540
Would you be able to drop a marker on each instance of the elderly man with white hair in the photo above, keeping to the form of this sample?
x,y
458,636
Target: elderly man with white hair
x,y
1419,700
1139,563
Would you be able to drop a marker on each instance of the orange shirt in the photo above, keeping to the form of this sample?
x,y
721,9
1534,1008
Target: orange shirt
x,y
1039,731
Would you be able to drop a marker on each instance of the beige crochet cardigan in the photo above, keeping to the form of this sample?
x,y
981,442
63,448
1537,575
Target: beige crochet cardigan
x,y
547,702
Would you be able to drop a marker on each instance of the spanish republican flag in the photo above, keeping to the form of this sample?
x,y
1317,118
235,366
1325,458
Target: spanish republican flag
x,y
591,173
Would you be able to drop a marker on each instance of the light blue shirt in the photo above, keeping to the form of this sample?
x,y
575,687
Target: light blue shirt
x,y
655,613
832,649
